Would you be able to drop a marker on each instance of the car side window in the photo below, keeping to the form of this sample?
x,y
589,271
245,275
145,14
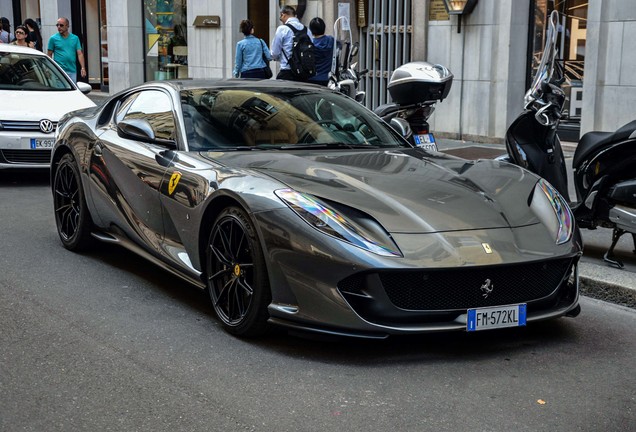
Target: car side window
x,y
155,107
123,106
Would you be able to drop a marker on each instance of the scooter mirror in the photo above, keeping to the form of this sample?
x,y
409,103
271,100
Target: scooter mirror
x,y
354,50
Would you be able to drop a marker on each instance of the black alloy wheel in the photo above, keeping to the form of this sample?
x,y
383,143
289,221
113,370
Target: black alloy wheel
x,y
237,277
71,213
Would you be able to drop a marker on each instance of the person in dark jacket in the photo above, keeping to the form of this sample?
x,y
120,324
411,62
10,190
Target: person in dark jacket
x,y
281,47
323,51
34,33
5,30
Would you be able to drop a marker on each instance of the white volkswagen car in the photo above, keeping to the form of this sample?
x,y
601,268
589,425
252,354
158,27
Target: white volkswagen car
x,y
34,94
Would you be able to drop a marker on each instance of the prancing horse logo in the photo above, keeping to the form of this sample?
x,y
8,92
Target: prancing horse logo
x,y
174,181
487,288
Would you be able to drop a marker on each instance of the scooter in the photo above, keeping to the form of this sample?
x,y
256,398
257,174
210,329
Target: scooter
x,y
604,163
344,77
414,87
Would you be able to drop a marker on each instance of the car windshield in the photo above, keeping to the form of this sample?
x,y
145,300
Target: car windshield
x,y
20,71
280,118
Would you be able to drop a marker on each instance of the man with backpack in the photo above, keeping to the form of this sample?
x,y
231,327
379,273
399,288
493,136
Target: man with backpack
x,y
293,48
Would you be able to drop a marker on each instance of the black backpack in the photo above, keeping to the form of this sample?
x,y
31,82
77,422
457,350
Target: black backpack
x,y
302,61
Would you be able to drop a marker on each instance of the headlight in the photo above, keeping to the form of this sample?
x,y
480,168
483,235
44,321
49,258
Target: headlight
x,y
553,211
362,232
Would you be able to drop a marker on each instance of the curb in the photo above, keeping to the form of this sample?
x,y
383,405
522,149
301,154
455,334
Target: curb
x,y
594,282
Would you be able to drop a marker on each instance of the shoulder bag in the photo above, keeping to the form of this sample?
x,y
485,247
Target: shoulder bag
x,y
267,70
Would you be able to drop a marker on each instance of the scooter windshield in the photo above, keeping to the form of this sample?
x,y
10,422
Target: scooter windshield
x,y
546,66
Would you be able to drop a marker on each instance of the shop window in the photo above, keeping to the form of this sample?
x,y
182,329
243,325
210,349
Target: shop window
x,y
165,39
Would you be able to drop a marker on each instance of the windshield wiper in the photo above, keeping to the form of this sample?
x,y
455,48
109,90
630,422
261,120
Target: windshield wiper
x,y
318,146
224,149
315,146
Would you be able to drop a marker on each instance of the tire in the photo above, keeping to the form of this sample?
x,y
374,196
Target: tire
x,y
74,223
237,277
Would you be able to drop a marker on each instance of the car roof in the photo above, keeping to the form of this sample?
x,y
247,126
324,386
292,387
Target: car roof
x,y
22,50
239,83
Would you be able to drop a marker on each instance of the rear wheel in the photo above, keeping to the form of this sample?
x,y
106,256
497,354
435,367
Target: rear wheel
x,y
71,213
237,277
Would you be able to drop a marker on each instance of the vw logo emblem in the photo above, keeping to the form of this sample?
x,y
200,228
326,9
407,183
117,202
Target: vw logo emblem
x,y
46,126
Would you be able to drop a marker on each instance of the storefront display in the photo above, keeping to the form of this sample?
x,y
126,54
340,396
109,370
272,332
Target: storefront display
x,y
165,39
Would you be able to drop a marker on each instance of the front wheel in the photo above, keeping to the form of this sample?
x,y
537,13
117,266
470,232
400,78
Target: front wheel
x,y
237,277
71,213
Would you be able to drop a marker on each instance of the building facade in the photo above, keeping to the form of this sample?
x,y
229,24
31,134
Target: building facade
x,y
128,42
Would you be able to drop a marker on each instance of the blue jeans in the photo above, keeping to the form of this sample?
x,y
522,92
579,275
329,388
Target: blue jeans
x,y
72,76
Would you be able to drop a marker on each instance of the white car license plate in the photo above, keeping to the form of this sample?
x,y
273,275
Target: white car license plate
x,y
41,143
496,317
426,141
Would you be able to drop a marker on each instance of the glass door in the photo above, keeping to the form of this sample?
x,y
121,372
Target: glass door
x,y
165,39
103,42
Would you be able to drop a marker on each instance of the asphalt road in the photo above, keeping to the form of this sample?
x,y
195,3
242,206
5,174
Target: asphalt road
x,y
105,341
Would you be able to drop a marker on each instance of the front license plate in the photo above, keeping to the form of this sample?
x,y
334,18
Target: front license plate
x,y
41,143
496,317
426,141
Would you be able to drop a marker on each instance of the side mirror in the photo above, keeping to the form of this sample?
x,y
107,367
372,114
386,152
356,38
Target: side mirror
x,y
140,130
137,129
402,127
84,87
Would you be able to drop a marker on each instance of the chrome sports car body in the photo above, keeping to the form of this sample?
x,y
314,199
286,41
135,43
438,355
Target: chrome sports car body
x,y
296,206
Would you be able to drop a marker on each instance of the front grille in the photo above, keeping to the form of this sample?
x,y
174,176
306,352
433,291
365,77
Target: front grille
x,y
26,156
460,288
22,125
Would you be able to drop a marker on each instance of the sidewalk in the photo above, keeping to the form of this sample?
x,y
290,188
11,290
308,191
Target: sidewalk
x,y
598,281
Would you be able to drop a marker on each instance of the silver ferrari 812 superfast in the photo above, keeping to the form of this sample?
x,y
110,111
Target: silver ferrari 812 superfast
x,y
293,205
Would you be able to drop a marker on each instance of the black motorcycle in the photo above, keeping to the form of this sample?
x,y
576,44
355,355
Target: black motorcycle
x,y
604,163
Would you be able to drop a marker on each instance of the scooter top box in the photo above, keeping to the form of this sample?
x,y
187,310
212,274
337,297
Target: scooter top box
x,y
419,82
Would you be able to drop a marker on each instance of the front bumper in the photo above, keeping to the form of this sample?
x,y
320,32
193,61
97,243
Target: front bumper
x,y
412,302
17,150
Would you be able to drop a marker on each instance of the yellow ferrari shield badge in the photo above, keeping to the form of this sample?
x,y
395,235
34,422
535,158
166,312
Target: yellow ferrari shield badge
x,y
487,248
174,181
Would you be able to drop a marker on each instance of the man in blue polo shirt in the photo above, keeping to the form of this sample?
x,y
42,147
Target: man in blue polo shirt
x,y
65,48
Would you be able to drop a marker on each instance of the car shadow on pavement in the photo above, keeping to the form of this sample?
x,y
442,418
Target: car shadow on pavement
x,y
435,347
13,178
165,283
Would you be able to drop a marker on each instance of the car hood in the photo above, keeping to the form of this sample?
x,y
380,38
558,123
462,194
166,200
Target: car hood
x,y
408,190
38,105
